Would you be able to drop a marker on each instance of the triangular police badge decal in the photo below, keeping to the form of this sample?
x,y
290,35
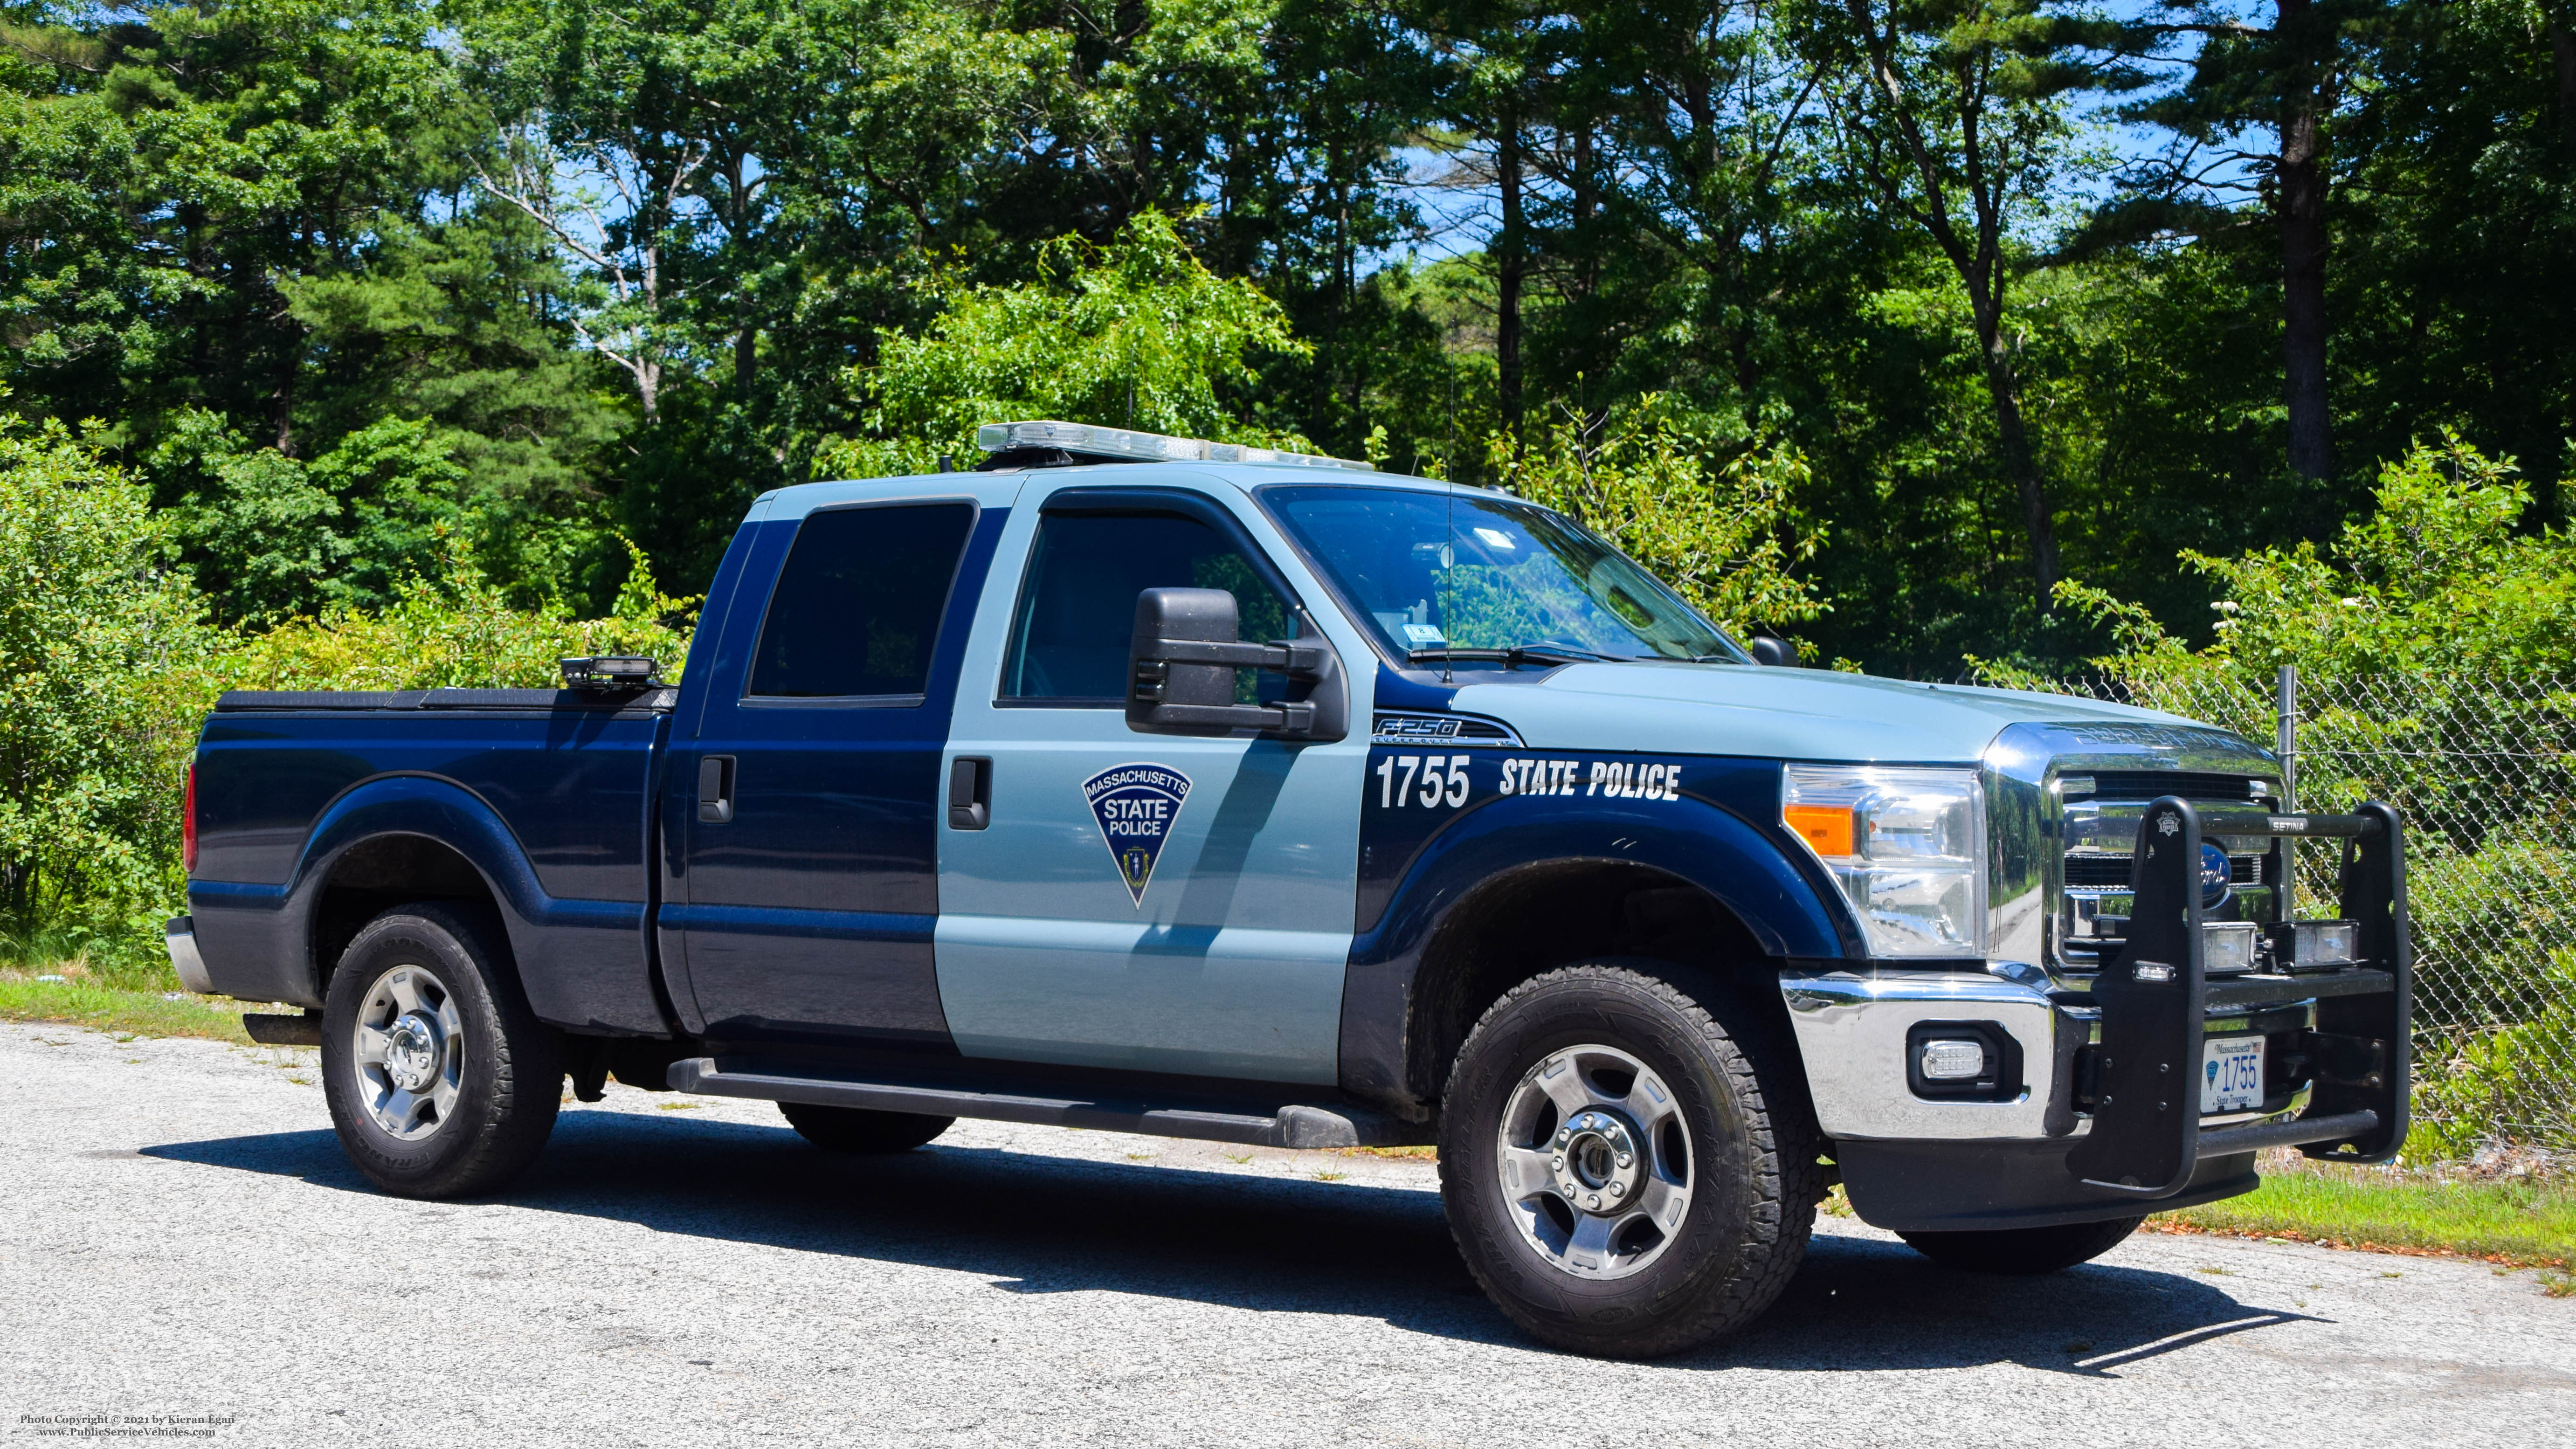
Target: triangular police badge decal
x,y
1135,807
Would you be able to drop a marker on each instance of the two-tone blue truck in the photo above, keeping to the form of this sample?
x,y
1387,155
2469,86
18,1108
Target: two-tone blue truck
x,y
1164,786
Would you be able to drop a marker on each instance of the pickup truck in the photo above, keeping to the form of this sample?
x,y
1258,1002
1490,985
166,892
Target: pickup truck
x,y
1163,786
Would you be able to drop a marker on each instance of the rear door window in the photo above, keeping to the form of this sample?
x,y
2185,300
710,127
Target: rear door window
x,y
858,603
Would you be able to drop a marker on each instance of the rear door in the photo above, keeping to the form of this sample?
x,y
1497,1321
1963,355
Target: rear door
x,y
1143,902
806,789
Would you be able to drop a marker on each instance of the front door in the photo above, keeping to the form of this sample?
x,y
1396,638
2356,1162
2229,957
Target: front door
x,y
1147,902
808,788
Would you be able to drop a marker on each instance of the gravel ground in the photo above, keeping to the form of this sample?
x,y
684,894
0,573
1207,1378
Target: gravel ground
x,y
183,1250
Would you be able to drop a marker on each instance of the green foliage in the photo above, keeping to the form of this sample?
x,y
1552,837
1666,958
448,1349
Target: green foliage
x,y
2439,578
108,665
460,631
2507,1085
234,233
1720,529
104,655
1138,333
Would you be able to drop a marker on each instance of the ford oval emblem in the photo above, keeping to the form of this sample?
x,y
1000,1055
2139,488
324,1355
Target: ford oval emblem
x,y
2213,874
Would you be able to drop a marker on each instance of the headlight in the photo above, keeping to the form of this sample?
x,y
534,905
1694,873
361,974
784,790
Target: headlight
x,y
1908,847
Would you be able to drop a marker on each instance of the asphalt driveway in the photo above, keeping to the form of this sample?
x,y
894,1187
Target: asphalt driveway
x,y
183,1251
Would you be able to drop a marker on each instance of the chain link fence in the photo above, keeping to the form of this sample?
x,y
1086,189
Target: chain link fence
x,y
2484,771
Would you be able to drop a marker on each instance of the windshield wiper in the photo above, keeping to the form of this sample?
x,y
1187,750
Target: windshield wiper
x,y
1517,655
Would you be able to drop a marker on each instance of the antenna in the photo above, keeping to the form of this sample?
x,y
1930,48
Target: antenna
x,y
1448,566
1449,549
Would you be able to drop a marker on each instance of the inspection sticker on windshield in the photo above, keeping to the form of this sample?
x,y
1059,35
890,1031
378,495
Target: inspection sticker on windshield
x,y
2231,1074
1135,806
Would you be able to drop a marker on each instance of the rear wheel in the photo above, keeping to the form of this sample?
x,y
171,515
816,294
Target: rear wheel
x,y
441,1081
857,1129
2023,1250
1624,1165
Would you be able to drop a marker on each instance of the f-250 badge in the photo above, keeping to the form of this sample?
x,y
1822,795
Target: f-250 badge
x,y
1135,806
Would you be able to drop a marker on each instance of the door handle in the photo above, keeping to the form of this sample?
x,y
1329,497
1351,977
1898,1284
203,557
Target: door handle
x,y
970,793
715,788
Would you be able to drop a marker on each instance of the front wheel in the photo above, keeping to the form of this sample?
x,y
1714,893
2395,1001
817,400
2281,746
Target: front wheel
x,y
441,1081
1625,1167
2023,1250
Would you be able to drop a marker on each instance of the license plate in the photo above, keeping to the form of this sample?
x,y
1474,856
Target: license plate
x,y
2231,1074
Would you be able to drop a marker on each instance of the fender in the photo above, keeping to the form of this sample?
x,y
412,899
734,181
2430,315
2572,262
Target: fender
x,y
592,973
1693,818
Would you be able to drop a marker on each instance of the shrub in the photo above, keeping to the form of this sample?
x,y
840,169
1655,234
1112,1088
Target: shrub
x,y
105,660
108,666
459,631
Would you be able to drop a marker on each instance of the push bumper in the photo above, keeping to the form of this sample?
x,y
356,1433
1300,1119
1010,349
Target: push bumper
x,y
2091,1111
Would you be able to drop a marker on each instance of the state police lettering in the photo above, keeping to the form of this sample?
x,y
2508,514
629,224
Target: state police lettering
x,y
1609,779
1135,807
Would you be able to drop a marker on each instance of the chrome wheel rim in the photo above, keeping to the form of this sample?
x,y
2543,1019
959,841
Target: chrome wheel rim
x,y
408,1053
1594,1162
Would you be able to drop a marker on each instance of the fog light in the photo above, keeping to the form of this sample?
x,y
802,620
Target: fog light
x,y
2227,947
2325,943
1950,1060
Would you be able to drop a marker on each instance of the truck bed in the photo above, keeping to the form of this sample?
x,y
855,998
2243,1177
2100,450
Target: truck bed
x,y
557,783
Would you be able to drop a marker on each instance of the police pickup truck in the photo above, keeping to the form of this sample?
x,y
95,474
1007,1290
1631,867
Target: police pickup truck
x,y
1149,784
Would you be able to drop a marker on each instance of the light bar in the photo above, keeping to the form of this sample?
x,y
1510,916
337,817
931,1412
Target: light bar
x,y
610,671
1139,447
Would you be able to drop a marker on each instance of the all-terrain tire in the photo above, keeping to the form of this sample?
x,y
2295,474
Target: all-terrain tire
x,y
858,1129
433,980
2028,1251
1738,1129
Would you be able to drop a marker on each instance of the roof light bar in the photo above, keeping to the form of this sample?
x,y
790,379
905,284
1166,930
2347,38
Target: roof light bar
x,y
1141,447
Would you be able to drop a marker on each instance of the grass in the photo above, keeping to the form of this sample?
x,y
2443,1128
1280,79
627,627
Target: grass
x,y
84,1001
2525,1221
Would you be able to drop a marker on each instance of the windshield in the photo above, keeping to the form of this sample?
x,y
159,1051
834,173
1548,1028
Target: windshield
x,y
1441,574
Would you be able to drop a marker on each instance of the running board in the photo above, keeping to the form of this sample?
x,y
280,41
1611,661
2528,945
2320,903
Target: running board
x,y
1294,1126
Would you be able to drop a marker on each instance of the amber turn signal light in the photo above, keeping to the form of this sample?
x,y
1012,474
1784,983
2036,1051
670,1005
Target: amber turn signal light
x,y
1827,829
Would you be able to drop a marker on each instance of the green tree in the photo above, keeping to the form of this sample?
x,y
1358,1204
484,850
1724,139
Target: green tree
x,y
1721,529
1137,333
252,212
2438,579
1953,114
2285,81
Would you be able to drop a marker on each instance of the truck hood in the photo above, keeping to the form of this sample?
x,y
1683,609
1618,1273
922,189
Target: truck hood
x,y
1793,714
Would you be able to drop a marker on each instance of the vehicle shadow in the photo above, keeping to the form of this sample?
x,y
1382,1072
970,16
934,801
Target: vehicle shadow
x,y
1033,1223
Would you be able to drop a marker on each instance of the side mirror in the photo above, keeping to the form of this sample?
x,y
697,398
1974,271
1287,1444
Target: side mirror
x,y
1779,653
1180,673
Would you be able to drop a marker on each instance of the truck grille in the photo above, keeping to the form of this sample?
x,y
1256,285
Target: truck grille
x,y
2111,872
2094,880
2145,785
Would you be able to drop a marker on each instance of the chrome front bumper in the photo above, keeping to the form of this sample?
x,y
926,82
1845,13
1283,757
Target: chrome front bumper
x,y
1852,1026
179,935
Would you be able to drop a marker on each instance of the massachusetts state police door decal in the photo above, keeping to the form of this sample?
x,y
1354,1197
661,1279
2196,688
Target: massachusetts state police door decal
x,y
1135,806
